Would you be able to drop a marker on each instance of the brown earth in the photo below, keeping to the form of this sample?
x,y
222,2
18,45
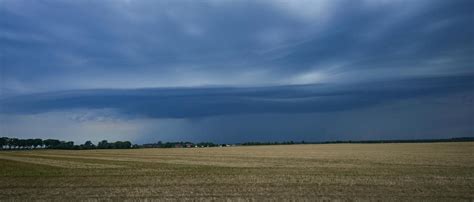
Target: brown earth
x,y
421,171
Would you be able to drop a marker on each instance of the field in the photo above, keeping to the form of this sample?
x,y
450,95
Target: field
x,y
422,171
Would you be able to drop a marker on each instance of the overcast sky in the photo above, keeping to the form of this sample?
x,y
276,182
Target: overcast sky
x,y
234,71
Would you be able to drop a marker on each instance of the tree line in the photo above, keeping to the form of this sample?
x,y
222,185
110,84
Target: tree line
x,y
7,143
455,139
37,143
161,144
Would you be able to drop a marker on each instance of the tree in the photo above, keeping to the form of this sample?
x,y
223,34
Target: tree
x,y
88,145
127,144
37,142
69,145
3,142
51,143
103,144
65,145
22,143
29,143
122,145
13,143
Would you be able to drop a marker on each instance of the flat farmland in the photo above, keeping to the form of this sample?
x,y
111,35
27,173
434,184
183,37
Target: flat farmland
x,y
413,171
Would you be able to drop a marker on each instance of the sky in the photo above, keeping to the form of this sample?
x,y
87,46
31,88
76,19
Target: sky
x,y
236,71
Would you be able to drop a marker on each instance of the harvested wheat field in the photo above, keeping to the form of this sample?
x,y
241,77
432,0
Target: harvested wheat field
x,y
422,171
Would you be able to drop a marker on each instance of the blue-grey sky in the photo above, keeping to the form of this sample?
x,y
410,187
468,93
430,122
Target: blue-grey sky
x,y
234,71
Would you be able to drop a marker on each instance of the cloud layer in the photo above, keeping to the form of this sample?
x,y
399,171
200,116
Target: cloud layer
x,y
59,45
202,102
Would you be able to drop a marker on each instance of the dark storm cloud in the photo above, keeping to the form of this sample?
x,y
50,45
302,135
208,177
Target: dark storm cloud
x,y
46,40
202,102
361,41
58,45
